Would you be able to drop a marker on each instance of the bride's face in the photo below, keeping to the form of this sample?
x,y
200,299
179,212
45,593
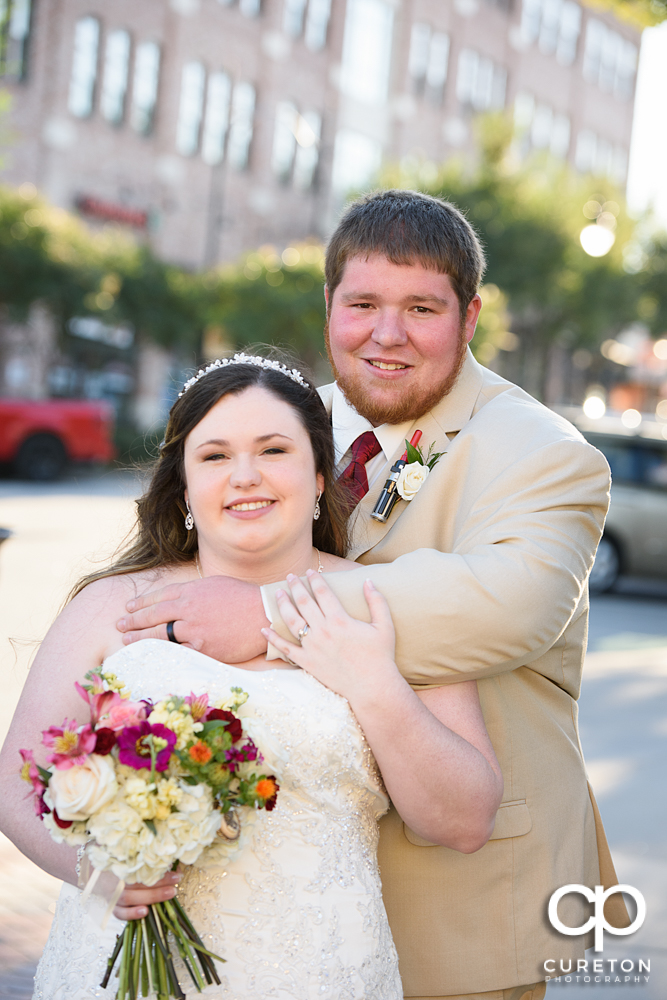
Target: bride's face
x,y
251,478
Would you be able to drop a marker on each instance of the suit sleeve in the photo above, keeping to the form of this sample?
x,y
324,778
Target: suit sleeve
x,y
501,599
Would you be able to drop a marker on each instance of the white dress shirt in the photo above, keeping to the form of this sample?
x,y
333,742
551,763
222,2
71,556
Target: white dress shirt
x,y
348,425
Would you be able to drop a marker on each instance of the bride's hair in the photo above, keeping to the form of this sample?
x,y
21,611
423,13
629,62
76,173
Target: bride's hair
x,y
161,537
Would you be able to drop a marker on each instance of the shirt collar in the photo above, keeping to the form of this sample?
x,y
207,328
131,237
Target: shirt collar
x,y
347,425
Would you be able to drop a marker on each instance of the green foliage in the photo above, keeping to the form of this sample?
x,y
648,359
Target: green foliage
x,y
541,286
48,255
272,299
639,13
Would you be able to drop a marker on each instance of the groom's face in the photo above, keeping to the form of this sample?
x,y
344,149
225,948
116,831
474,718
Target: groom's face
x,y
395,337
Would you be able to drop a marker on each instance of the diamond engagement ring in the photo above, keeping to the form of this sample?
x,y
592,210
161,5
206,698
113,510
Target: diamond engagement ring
x,y
303,632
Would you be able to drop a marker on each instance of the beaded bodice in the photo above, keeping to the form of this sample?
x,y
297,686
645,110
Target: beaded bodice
x,y
295,905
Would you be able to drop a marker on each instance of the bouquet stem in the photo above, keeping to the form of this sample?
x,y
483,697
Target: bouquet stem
x,y
146,963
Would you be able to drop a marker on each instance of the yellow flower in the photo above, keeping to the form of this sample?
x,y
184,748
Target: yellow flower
x,y
178,721
113,684
139,796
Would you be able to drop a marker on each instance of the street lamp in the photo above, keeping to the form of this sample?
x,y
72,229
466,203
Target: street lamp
x,y
596,240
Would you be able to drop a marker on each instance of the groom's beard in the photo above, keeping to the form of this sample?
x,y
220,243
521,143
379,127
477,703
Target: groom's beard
x,y
406,405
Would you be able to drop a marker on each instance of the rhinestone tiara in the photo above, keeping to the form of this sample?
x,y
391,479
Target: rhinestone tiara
x,y
246,359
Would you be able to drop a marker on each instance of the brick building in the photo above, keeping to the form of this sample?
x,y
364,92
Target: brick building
x,y
210,127
214,126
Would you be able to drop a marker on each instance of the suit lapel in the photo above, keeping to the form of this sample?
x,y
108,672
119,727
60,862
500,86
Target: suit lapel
x,y
366,531
448,417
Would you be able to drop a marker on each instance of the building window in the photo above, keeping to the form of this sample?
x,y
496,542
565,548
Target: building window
x,y
595,155
316,21
317,24
114,83
308,131
356,160
540,127
367,50
250,8
428,59
284,140
191,109
609,60
145,86
479,82
84,67
14,33
240,130
216,121
555,25
293,12
295,145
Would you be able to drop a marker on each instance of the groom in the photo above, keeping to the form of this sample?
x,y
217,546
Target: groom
x,y
485,573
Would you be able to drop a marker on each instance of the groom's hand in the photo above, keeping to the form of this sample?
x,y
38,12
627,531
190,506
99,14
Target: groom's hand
x,y
219,616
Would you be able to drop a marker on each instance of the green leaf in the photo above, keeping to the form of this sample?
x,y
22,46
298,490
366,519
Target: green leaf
x,y
151,826
414,454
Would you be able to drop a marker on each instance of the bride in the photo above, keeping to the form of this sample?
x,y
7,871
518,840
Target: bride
x,y
244,487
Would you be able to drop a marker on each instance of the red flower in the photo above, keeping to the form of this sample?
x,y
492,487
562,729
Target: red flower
x,y
105,741
242,755
70,743
135,745
234,726
62,823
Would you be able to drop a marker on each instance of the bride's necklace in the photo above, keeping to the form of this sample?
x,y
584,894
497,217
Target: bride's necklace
x,y
320,567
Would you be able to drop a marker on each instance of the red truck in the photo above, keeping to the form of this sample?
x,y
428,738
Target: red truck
x,y
39,437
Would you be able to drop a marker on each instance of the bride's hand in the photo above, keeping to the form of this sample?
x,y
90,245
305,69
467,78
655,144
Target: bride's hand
x,y
134,900
350,656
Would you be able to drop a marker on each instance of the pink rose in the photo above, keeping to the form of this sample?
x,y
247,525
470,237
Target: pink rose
x,y
125,713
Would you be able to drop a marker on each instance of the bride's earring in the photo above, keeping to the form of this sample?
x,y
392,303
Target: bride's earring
x,y
189,519
317,511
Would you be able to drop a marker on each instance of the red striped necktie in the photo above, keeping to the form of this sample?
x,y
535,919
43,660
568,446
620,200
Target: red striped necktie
x,y
364,448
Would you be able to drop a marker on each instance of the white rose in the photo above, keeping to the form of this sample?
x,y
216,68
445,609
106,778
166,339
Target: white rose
x,y
77,792
411,479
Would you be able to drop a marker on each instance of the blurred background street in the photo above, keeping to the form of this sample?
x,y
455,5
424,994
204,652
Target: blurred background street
x,y
61,529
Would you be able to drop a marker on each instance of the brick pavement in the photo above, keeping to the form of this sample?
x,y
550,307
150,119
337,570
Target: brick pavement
x,y
56,528
27,899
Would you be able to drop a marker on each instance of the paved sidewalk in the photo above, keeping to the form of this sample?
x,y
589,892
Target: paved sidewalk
x,y
27,902
623,718
60,532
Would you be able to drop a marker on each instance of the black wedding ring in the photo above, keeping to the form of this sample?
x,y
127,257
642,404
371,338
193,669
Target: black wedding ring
x,y
170,633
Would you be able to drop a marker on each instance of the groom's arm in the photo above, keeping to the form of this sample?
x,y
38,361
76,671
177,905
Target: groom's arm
x,y
500,600
511,586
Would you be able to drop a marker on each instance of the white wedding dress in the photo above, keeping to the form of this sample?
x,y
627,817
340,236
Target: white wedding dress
x,y
296,907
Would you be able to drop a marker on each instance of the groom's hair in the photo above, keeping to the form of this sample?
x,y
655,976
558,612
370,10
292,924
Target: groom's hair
x,y
408,227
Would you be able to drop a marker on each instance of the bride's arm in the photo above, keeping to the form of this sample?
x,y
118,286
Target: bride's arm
x,y
433,749
78,641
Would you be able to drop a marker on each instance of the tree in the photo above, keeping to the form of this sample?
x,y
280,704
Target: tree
x,y
640,13
529,214
272,299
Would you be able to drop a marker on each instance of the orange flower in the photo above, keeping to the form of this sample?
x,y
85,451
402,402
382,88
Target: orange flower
x,y
266,788
200,753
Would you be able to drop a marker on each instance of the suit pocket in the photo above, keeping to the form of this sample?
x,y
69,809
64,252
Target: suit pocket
x,y
512,820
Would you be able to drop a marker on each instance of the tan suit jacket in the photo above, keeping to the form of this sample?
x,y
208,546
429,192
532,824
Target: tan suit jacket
x,y
485,573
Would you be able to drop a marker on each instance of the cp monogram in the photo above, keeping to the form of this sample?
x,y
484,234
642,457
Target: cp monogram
x,y
597,920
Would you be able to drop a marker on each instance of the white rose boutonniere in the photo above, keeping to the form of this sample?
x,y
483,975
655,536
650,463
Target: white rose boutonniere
x,y
411,479
407,477
413,475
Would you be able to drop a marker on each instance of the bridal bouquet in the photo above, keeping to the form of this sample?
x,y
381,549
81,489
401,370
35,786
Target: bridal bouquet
x,y
141,788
